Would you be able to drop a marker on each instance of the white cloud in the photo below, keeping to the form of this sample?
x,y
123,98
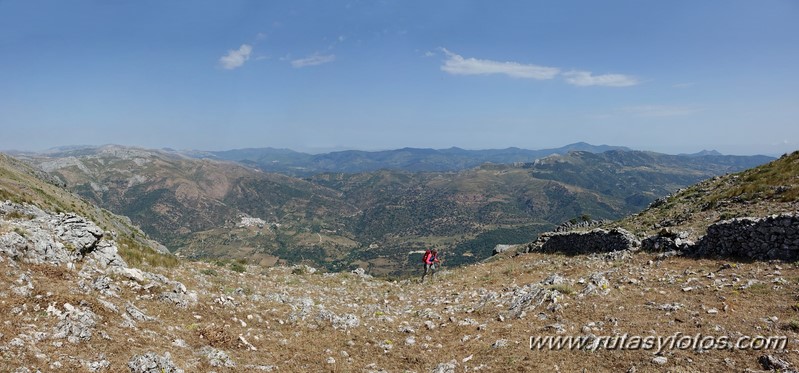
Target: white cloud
x,y
457,65
660,110
313,60
236,58
586,78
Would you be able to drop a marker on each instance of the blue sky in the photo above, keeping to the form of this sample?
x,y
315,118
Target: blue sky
x,y
669,76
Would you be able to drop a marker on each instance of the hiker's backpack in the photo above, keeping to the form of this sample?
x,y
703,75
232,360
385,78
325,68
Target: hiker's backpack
x,y
426,256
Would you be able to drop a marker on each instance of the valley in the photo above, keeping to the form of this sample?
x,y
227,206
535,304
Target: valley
x,y
85,291
195,205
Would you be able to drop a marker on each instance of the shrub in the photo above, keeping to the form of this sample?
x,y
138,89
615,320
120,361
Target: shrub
x,y
18,215
20,231
216,336
563,288
792,325
237,267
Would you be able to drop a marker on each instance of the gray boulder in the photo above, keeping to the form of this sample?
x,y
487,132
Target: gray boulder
x,y
152,363
217,358
499,249
77,232
74,324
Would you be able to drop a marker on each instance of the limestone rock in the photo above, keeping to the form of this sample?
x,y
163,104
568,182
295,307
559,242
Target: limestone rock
x,y
74,324
152,363
134,274
136,313
217,358
348,321
76,231
106,254
446,367
360,272
772,362
498,249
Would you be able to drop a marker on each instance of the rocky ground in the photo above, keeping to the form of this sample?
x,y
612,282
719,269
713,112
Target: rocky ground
x,y
70,303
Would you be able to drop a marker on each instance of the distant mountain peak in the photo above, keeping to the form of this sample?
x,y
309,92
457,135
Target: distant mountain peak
x,y
702,153
584,146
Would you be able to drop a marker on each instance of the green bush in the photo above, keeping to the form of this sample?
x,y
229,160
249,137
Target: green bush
x,y
237,267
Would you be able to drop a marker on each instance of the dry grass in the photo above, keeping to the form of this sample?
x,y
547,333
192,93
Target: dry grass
x,y
138,255
383,307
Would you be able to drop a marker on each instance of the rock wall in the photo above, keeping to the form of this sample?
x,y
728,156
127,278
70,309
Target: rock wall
x,y
771,237
666,240
594,241
569,226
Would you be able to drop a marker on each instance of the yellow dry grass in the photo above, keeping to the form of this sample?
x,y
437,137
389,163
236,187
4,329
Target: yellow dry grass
x,y
637,287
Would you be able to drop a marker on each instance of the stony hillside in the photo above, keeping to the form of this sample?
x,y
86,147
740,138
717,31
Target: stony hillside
x,y
83,314
20,183
772,188
72,304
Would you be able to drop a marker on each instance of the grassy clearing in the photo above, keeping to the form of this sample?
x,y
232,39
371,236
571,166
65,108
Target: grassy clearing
x,y
138,255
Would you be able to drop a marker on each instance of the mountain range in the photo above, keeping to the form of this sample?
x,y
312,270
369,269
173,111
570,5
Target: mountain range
x,y
208,208
72,304
408,159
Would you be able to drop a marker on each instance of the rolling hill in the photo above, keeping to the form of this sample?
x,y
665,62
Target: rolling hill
x,y
201,316
407,159
211,208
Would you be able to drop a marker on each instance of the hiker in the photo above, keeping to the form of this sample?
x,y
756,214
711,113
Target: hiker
x,y
431,261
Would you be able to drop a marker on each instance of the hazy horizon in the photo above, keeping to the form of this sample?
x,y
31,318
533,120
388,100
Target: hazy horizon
x,y
671,77
315,151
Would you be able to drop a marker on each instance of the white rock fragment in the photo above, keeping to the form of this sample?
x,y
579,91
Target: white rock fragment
x,y
660,360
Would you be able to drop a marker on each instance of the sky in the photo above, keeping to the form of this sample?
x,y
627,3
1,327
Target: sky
x,y
668,76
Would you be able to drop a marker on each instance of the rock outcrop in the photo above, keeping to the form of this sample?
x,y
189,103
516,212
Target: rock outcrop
x,y
499,249
153,363
63,239
84,252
